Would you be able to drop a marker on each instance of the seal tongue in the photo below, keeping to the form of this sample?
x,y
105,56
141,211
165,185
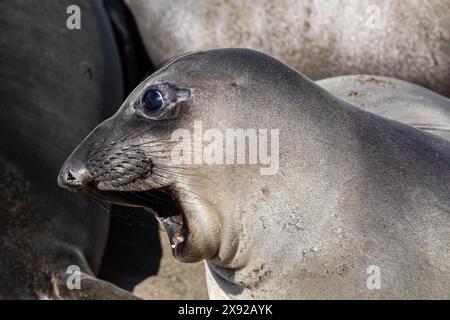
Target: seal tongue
x,y
174,228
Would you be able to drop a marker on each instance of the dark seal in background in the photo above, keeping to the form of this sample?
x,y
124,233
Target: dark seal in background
x,y
56,85
133,251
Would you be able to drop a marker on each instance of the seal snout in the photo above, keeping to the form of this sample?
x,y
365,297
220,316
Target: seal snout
x,y
73,176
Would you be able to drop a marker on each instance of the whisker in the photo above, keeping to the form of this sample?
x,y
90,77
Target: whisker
x,y
140,196
124,219
180,186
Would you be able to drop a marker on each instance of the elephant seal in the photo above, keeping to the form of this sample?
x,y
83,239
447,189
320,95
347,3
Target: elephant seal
x,y
354,192
322,38
394,99
55,87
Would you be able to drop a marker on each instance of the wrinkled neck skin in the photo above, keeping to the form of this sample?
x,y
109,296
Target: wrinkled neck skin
x,y
311,229
245,223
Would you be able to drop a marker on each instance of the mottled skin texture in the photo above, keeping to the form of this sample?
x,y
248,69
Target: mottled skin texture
x,y
353,190
394,99
55,85
408,40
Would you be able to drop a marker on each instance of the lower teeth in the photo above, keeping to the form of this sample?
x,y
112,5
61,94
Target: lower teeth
x,y
176,240
174,228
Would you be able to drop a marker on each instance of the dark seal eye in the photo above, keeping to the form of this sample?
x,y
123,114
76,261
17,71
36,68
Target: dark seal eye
x,y
153,100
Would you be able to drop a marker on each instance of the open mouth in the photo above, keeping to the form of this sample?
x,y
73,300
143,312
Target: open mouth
x,y
162,202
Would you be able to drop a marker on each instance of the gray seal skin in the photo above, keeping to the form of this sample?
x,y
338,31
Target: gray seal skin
x,y
408,40
353,189
394,99
56,85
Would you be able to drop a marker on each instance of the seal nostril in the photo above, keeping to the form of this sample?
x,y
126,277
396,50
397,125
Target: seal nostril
x,y
73,175
70,176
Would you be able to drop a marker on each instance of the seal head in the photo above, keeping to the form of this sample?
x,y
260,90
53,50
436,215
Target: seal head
x,y
126,161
